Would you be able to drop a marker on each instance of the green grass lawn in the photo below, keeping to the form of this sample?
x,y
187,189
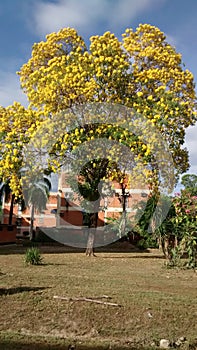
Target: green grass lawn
x,y
155,302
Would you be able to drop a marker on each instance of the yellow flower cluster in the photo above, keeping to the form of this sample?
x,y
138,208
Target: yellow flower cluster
x,y
57,75
110,65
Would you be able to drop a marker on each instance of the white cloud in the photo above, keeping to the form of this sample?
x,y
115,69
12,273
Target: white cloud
x,y
191,144
127,10
10,90
87,15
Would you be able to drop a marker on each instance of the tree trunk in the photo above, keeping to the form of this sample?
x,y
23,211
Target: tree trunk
x,y
123,222
90,242
1,209
91,235
31,228
168,243
122,227
11,209
1,213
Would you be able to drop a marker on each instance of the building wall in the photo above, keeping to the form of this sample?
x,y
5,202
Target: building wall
x,y
61,212
7,234
47,218
72,214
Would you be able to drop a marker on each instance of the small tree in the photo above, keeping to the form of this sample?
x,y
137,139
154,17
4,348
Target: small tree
x,y
156,226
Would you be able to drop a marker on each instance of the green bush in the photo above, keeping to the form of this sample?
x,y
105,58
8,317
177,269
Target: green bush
x,y
146,241
33,256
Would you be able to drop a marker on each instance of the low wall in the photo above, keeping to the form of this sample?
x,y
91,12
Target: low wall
x,y
8,233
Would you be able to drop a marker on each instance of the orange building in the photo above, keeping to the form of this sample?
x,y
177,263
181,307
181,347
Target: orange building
x,y
70,212
63,213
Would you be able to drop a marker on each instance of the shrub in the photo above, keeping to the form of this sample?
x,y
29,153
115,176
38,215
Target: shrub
x,y
185,224
33,256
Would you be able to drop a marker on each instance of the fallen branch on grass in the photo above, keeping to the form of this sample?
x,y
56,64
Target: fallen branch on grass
x,y
102,297
88,300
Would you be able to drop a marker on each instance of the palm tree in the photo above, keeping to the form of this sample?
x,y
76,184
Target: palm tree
x,y
36,196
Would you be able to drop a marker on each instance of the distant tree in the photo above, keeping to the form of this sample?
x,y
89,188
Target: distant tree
x,y
189,181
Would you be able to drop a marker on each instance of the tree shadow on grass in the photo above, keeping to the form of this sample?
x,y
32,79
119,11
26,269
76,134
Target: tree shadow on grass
x,y
140,256
44,345
44,249
57,248
21,289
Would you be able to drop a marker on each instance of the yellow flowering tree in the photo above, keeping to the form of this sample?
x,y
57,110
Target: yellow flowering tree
x,y
16,127
142,72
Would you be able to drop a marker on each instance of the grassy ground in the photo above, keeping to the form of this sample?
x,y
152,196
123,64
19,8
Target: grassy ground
x,y
155,302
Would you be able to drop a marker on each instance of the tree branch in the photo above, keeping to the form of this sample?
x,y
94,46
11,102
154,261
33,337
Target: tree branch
x,y
88,300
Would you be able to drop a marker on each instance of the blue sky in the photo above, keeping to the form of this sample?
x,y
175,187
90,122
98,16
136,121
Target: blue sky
x,y
23,22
